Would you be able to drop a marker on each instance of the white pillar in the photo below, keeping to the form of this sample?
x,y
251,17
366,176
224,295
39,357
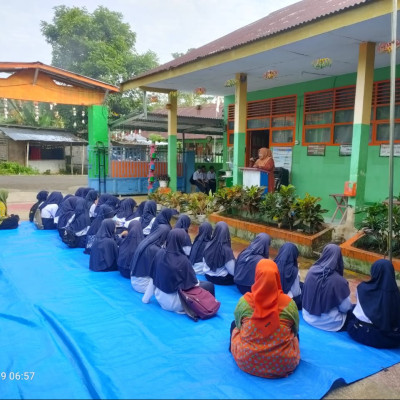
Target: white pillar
x,y
83,159
27,155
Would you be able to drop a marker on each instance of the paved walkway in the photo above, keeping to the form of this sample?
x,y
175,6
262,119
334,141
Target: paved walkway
x,y
22,194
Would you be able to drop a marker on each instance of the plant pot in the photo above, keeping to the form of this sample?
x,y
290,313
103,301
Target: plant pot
x,y
163,184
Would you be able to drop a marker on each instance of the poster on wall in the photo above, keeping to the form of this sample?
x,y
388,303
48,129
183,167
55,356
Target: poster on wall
x,y
282,157
385,150
316,150
345,150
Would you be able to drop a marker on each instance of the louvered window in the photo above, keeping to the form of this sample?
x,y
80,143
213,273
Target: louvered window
x,y
380,118
328,116
278,115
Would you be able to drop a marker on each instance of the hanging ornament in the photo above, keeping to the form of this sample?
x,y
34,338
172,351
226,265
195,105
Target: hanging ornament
x,y
271,74
200,90
322,63
153,99
152,167
387,47
36,107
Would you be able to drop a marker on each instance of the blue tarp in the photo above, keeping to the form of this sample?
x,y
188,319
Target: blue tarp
x,y
87,335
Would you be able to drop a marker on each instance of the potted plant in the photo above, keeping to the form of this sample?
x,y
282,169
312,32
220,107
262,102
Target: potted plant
x,y
163,180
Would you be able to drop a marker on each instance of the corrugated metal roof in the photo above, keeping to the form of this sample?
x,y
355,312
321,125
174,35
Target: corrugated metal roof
x,y
279,21
203,111
40,135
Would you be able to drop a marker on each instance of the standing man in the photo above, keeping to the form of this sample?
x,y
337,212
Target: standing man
x,y
211,179
199,179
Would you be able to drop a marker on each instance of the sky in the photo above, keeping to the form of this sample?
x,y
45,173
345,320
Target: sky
x,y
163,26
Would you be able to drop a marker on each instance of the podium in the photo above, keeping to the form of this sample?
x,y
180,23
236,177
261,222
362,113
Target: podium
x,y
255,177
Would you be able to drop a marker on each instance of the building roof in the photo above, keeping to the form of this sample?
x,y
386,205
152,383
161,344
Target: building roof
x,y
41,135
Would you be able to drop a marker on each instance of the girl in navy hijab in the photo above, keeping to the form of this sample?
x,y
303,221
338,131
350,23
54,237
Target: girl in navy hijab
x,y
41,197
199,244
148,217
247,260
101,200
49,208
104,212
286,260
78,226
104,253
326,293
139,210
143,258
125,214
128,247
376,321
65,212
171,271
164,218
91,198
184,222
219,260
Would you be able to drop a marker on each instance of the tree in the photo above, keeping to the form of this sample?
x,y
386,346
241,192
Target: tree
x,y
98,45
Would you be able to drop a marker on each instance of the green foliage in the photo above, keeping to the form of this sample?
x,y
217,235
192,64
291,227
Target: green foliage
x,y
156,137
229,197
101,46
13,168
252,197
308,213
284,212
269,206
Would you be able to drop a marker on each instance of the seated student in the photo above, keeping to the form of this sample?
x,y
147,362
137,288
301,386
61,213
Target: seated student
x,y
376,320
64,213
199,244
286,260
6,221
41,197
171,270
184,222
139,210
76,230
211,179
245,269
91,200
164,218
128,247
104,212
125,213
49,208
326,293
199,179
148,217
82,191
219,261
143,258
104,252
264,335
100,201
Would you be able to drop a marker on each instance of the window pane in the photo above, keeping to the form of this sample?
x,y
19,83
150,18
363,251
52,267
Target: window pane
x,y
318,135
382,132
343,134
283,121
230,138
344,116
231,125
319,118
285,136
382,112
258,123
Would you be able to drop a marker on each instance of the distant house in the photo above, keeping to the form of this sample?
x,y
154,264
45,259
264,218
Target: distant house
x,y
50,150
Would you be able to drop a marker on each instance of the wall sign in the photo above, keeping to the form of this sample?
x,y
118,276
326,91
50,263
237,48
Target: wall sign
x,y
316,150
385,150
282,157
345,150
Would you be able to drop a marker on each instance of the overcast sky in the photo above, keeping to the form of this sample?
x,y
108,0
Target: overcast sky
x,y
164,26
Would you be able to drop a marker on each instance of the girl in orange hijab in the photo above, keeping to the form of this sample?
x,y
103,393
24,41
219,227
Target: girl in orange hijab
x,y
265,162
264,338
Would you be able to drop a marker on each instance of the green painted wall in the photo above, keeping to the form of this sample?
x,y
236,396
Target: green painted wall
x,y
321,176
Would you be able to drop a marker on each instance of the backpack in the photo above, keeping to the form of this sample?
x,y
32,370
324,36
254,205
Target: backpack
x,y
69,238
191,180
198,303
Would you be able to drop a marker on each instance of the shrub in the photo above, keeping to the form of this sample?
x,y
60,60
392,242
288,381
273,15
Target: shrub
x,y
13,168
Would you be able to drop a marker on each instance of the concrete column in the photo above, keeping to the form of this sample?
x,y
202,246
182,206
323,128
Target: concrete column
x,y
361,127
172,132
240,127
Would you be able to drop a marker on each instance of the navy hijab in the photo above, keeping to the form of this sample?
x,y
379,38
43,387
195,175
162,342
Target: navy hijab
x,y
53,198
380,297
171,269
286,260
41,196
82,191
126,209
139,210
324,286
245,269
183,222
61,205
164,218
128,248
146,251
81,216
104,212
104,252
149,212
91,197
67,209
218,250
113,202
102,200
203,237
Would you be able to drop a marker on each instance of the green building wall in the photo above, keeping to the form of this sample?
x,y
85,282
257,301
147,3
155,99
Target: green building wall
x,y
323,175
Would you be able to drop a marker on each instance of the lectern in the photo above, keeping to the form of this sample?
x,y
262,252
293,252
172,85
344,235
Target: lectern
x,y
255,177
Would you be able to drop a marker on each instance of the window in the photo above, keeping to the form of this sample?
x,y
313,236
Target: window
x,y
328,116
278,115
